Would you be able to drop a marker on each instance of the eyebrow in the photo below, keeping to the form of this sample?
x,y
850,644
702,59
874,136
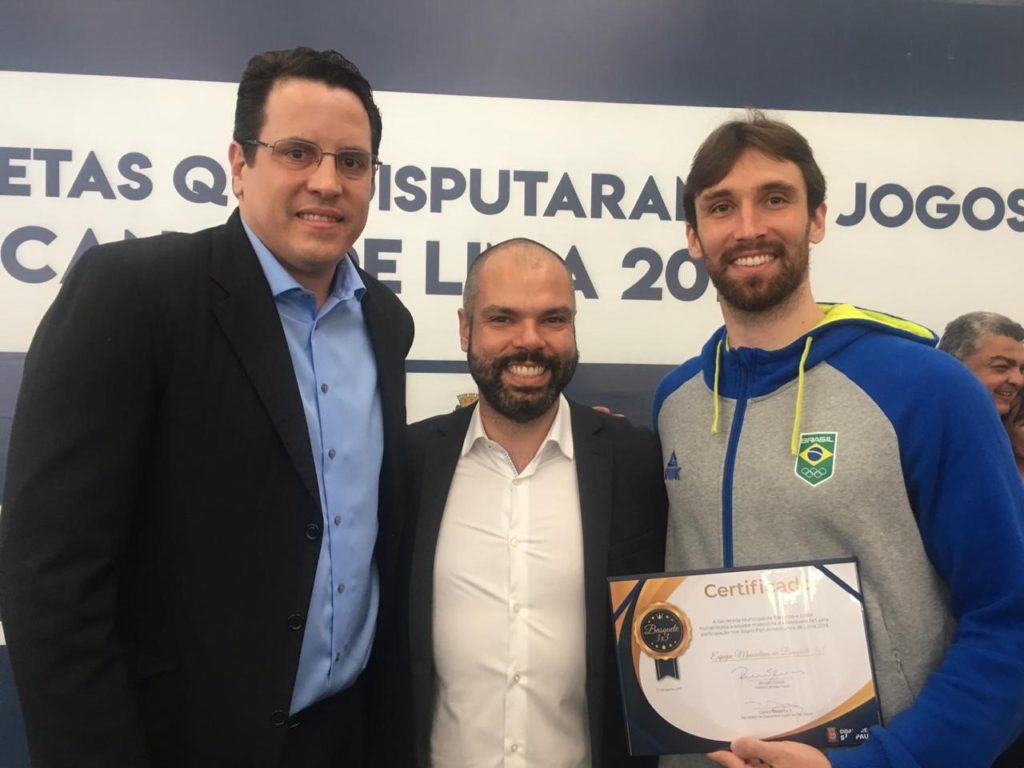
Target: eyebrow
x,y
778,186
1005,359
346,148
718,194
725,192
497,309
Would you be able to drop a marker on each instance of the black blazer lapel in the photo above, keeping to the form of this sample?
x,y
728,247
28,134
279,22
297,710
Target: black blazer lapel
x,y
385,335
594,467
248,316
434,458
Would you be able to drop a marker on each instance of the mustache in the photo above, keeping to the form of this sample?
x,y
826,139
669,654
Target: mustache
x,y
527,356
761,245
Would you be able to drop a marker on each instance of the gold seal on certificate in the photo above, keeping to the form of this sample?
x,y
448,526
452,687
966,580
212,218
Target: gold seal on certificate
x,y
663,633
774,651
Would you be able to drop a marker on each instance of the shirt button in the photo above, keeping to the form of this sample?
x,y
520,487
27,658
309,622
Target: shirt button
x,y
337,519
341,588
515,607
514,542
337,656
515,747
332,453
324,388
295,622
516,678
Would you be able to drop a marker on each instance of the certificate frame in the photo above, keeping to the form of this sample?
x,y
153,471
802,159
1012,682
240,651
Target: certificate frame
x,y
776,651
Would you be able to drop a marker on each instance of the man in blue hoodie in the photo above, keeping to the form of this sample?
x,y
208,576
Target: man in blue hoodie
x,y
935,519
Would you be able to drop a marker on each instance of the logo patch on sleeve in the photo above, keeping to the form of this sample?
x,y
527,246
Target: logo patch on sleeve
x,y
672,467
816,457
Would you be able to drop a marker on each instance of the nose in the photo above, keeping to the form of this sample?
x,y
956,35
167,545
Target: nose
x,y
1017,377
324,179
749,223
529,336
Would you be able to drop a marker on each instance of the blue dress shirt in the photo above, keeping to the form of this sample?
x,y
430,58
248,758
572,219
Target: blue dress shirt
x,y
337,378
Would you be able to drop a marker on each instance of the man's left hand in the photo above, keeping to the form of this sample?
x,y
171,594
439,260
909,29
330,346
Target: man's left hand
x,y
754,753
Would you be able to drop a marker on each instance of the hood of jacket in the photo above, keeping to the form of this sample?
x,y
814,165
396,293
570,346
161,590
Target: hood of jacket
x,y
748,372
758,372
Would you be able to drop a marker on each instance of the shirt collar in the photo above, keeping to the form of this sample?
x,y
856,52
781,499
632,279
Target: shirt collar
x,y
559,435
347,282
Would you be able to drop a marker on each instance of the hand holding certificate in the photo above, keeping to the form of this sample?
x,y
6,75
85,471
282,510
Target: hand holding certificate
x,y
771,652
748,751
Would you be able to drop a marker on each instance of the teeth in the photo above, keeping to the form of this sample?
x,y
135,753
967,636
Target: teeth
x,y
317,217
526,370
754,260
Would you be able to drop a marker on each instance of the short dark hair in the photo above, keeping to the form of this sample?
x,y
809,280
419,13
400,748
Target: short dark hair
x,y
266,69
723,147
963,334
472,285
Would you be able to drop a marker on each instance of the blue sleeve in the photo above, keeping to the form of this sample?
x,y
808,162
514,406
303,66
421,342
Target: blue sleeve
x,y
969,501
670,384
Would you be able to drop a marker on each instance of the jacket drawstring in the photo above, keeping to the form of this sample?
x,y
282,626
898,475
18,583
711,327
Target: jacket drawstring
x,y
714,394
716,409
795,440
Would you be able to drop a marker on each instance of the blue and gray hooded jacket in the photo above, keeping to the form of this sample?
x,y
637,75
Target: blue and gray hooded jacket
x,y
919,485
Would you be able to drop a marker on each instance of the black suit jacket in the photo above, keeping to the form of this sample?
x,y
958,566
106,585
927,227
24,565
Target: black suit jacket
x,y
161,522
623,513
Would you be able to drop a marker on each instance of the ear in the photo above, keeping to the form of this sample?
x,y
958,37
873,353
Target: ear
x,y
236,159
463,330
693,242
816,227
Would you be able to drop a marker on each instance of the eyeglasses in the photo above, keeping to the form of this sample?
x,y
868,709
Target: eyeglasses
x,y
299,155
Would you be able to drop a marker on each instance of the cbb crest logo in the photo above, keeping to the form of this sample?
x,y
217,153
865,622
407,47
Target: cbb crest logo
x,y
816,457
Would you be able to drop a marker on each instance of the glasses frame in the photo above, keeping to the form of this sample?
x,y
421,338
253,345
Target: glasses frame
x,y
375,161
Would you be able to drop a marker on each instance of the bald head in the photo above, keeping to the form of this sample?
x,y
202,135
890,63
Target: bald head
x,y
525,251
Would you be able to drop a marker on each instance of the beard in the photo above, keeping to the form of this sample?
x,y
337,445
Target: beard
x,y
521,404
760,294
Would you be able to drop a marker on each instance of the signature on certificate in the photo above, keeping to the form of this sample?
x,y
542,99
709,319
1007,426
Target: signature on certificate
x,y
770,707
767,676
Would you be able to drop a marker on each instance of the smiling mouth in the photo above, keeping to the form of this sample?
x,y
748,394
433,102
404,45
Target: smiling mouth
x,y
754,260
754,254
320,217
526,370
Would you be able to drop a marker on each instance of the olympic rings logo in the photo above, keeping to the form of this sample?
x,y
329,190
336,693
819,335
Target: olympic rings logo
x,y
814,473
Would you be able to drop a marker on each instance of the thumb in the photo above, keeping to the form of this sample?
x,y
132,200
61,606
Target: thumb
x,y
726,759
750,748
781,754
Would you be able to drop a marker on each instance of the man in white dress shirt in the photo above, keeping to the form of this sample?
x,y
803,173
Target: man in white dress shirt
x,y
526,503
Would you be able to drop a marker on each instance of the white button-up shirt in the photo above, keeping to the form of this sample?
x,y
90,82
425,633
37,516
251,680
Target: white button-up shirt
x,y
509,613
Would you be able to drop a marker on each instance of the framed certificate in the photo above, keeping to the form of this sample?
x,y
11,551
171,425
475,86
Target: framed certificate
x,y
772,651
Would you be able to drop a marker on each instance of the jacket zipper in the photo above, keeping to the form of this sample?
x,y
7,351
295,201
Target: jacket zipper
x,y
730,458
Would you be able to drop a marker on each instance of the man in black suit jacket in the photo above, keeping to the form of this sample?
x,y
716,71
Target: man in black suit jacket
x,y
517,327
164,513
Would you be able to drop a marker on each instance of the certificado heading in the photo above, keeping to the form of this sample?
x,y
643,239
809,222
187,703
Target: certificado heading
x,y
757,587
